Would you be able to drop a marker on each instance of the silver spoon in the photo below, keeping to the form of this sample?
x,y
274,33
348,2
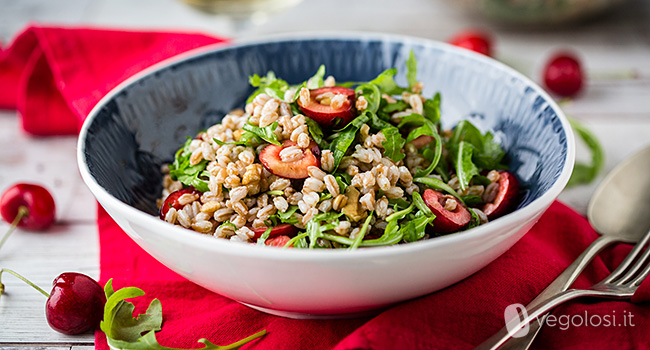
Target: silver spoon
x,y
618,210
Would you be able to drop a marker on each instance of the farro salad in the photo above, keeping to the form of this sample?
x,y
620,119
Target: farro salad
x,y
325,164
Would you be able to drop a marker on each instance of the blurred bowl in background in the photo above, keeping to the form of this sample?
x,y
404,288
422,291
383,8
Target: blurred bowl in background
x,y
538,12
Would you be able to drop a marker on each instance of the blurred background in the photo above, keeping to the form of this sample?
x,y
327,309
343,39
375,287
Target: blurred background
x,y
611,38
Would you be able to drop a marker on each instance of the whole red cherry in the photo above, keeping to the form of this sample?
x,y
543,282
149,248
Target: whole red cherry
x,y
474,40
76,303
563,74
35,199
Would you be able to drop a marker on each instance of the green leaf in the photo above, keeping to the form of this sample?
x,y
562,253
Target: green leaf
x,y
362,232
266,133
264,236
487,153
438,185
316,132
123,331
394,144
419,203
386,82
269,84
372,94
465,168
397,106
586,173
415,229
316,81
472,200
432,108
411,69
345,138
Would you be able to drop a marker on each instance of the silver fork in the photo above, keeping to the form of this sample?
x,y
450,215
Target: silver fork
x,y
620,284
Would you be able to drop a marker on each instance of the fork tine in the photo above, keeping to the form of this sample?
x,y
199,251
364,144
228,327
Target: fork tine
x,y
622,269
637,281
640,264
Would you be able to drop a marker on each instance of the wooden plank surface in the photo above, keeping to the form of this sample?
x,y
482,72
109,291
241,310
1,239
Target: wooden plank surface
x,y
617,111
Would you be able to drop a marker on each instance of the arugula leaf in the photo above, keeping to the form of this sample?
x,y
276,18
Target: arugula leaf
x,y
189,175
472,200
362,232
371,93
487,152
346,137
585,173
287,217
419,203
428,128
124,332
438,185
465,168
264,236
386,82
266,133
315,227
316,133
344,180
316,81
411,69
394,144
415,229
269,84
432,108
396,106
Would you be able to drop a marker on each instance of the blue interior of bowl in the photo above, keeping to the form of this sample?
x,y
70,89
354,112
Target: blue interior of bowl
x,y
142,125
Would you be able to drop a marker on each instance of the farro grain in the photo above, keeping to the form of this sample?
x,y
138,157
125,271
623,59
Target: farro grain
x,y
315,172
339,100
171,215
281,203
291,154
361,104
238,193
223,214
331,184
313,184
339,202
327,160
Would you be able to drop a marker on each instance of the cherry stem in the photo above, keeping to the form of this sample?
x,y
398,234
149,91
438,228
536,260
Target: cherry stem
x,y
2,287
22,212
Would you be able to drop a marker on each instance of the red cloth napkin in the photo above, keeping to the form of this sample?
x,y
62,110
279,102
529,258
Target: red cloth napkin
x,y
54,76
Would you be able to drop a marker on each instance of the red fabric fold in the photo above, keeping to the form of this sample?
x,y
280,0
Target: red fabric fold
x,y
54,76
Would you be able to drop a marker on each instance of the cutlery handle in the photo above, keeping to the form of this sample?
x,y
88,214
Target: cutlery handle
x,y
560,284
512,326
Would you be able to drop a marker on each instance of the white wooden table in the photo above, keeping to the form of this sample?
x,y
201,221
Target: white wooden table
x,y
617,111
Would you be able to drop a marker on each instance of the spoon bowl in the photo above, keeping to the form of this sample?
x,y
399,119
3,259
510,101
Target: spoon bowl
x,y
619,206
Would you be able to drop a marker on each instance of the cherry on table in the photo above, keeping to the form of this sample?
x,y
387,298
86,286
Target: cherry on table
x,y
474,40
75,304
27,206
563,74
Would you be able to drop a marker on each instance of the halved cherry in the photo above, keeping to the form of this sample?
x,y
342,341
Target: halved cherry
x,y
506,196
321,110
279,241
280,230
422,141
172,201
446,220
270,159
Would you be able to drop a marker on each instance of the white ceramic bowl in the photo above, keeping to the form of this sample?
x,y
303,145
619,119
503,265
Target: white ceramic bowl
x,y
139,125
